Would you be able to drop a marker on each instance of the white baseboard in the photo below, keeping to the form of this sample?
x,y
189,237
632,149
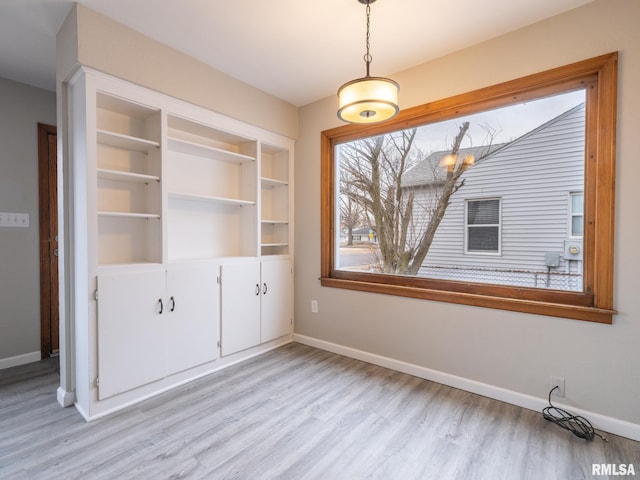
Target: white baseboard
x,y
600,422
19,360
65,399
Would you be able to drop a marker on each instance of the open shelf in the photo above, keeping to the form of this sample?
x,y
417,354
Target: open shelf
x,y
196,138
127,142
274,200
214,153
119,175
128,179
205,227
128,238
128,214
126,124
274,222
273,182
210,199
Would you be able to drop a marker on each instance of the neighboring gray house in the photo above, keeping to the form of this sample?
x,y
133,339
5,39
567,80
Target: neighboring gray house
x,y
518,218
360,235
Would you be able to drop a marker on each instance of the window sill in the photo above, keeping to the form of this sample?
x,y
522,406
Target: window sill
x,y
575,312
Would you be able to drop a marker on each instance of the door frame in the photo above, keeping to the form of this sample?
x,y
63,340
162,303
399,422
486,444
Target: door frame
x,y
48,223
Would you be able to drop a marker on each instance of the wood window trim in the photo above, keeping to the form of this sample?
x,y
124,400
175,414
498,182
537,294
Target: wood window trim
x,y
599,76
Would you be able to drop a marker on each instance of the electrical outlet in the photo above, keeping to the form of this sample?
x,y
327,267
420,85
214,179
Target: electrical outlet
x,y
559,382
314,306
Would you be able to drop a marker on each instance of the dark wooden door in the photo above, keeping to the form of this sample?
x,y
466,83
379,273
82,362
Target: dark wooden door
x,y
48,214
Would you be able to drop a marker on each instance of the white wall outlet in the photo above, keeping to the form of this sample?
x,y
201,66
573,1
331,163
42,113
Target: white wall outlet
x,y
314,306
559,381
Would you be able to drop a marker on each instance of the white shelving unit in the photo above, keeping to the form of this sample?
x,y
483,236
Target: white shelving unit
x,y
180,217
211,178
275,235
128,181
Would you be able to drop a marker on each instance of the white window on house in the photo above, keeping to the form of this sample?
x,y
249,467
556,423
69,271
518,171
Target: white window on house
x,y
483,226
576,214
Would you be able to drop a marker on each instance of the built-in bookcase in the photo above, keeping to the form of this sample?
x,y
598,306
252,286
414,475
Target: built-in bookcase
x,y
275,193
211,184
168,202
128,170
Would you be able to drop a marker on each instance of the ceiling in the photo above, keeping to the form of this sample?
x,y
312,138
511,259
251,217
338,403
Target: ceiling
x,y
296,50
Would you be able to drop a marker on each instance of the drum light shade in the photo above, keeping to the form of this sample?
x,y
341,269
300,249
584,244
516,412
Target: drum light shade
x,y
368,100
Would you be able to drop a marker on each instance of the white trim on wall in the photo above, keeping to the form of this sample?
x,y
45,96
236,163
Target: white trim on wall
x,y
19,360
600,422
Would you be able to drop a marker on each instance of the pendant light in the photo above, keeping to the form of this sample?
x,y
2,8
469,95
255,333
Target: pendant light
x,y
368,99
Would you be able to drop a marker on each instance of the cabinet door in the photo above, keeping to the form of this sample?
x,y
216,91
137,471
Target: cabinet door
x,y
240,312
276,299
131,337
192,316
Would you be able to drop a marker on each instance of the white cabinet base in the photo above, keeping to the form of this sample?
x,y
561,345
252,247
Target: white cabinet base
x,y
131,337
155,322
256,303
240,312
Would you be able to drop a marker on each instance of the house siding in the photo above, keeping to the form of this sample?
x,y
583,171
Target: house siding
x,y
533,176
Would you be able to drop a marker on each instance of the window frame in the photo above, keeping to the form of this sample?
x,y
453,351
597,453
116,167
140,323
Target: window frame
x,y
494,253
598,76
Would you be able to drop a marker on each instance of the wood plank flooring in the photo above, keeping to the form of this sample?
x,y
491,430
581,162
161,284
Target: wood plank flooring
x,y
293,413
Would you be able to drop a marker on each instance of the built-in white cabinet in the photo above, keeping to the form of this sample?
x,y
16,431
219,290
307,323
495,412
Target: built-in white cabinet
x,y
276,299
131,334
256,303
182,240
240,312
154,323
192,310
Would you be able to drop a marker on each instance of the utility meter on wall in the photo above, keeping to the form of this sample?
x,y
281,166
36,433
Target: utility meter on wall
x,y
573,249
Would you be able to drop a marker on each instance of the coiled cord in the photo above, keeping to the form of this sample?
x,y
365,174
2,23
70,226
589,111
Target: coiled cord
x,y
579,426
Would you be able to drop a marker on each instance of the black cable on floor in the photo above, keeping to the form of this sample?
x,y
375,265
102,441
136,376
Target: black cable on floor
x,y
579,426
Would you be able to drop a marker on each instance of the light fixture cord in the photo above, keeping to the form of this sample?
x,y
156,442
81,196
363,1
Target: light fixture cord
x,y
367,56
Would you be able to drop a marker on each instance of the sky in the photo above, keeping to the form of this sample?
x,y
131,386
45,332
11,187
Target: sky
x,y
508,122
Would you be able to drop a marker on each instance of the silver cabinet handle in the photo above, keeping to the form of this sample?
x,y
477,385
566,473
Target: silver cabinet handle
x,y
173,304
161,306
257,289
264,288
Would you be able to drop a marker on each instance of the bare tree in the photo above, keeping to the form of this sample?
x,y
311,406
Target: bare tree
x,y
373,169
351,215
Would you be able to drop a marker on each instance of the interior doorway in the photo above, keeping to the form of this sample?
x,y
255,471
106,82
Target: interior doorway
x,y
48,215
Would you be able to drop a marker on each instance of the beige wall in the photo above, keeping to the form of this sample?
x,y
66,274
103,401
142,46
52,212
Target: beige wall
x,y
517,352
111,47
23,107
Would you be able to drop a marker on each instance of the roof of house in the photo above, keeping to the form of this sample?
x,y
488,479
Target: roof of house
x,y
428,171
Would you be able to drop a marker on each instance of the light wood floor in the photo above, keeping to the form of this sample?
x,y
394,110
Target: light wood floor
x,y
293,413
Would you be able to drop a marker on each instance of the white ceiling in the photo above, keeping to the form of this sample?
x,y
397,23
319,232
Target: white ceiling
x,y
299,51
